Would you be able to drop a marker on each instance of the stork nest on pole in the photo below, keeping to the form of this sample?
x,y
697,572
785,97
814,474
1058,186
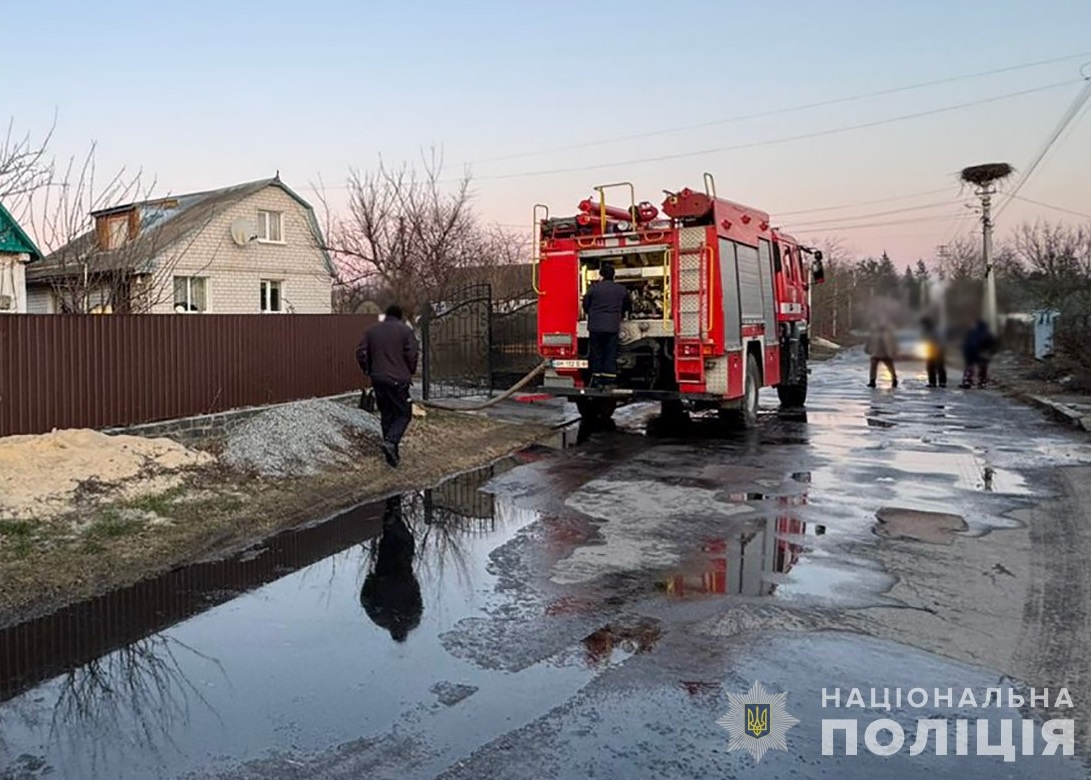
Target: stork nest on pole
x,y
984,175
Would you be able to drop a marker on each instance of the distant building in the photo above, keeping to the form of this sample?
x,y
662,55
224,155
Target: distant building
x,y
247,249
16,252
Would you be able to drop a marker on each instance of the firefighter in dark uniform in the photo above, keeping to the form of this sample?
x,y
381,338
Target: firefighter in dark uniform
x,y
388,356
606,305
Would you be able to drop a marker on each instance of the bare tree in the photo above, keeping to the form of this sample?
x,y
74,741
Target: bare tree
x,y
832,301
122,263
1057,258
408,236
24,167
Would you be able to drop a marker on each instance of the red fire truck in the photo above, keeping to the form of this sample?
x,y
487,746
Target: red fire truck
x,y
721,302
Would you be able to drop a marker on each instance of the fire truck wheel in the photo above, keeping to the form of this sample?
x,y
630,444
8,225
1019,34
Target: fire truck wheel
x,y
672,410
596,409
746,416
750,400
793,396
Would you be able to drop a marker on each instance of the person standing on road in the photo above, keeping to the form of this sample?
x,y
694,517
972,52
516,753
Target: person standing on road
x,y
977,351
882,347
935,353
606,305
387,355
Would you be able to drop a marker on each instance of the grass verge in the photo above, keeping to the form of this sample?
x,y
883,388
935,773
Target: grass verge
x,y
101,546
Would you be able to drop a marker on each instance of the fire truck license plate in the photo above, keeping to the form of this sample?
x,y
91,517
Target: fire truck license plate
x,y
570,364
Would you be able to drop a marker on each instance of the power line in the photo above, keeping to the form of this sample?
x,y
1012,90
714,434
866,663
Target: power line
x,y
752,144
863,203
775,141
779,111
938,204
1054,208
959,228
843,228
1066,119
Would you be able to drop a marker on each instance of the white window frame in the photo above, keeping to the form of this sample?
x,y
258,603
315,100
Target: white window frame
x,y
266,286
189,293
265,218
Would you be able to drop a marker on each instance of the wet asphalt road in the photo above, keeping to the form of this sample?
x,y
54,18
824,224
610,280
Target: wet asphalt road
x,y
587,614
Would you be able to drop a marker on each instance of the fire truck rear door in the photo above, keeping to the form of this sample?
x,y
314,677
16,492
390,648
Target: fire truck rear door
x,y
765,264
750,284
729,278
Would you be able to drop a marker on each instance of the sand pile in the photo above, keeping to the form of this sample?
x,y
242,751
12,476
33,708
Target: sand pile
x,y
39,475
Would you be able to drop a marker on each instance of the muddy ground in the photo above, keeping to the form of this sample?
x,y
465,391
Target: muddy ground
x,y
103,542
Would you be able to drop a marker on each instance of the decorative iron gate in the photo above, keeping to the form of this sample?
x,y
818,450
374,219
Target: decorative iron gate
x,y
514,336
473,345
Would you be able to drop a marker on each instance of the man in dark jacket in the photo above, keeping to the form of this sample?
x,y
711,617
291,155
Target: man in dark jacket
x,y
935,348
387,354
977,351
606,304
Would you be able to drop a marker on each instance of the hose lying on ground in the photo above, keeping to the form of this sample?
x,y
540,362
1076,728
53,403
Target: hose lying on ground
x,y
492,401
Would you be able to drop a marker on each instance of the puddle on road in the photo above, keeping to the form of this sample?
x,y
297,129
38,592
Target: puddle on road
x,y
969,471
318,636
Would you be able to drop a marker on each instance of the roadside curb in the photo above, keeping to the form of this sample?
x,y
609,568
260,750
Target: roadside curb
x,y
1073,416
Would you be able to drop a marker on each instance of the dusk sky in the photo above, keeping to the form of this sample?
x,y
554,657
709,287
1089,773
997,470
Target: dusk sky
x,y
202,94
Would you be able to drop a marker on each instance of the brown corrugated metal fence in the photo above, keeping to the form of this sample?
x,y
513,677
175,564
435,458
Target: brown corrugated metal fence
x,y
88,371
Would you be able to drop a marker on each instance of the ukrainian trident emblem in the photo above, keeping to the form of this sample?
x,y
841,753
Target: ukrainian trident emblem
x,y
757,721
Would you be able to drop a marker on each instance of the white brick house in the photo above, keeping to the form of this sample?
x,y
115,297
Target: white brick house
x,y
246,249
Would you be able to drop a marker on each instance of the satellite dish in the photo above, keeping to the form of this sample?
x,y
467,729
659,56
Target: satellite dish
x,y
241,231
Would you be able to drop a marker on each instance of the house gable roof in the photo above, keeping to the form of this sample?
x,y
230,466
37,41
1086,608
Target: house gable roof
x,y
14,239
164,222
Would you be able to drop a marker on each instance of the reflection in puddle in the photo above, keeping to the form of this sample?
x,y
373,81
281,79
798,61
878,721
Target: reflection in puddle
x,y
391,593
967,469
747,563
743,565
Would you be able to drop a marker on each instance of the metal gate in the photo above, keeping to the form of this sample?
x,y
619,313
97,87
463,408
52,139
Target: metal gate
x,y
514,345
473,345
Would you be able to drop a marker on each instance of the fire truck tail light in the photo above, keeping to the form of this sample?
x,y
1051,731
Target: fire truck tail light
x,y
690,350
556,339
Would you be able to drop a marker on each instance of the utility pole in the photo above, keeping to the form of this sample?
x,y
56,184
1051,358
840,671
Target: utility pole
x,y
984,178
986,194
937,288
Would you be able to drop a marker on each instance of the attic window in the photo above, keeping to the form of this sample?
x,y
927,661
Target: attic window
x,y
116,229
269,227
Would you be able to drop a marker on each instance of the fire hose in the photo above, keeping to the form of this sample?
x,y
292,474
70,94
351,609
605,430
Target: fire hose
x,y
492,401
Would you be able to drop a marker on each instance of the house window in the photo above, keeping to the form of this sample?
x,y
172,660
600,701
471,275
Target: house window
x,y
269,227
189,294
117,231
270,296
